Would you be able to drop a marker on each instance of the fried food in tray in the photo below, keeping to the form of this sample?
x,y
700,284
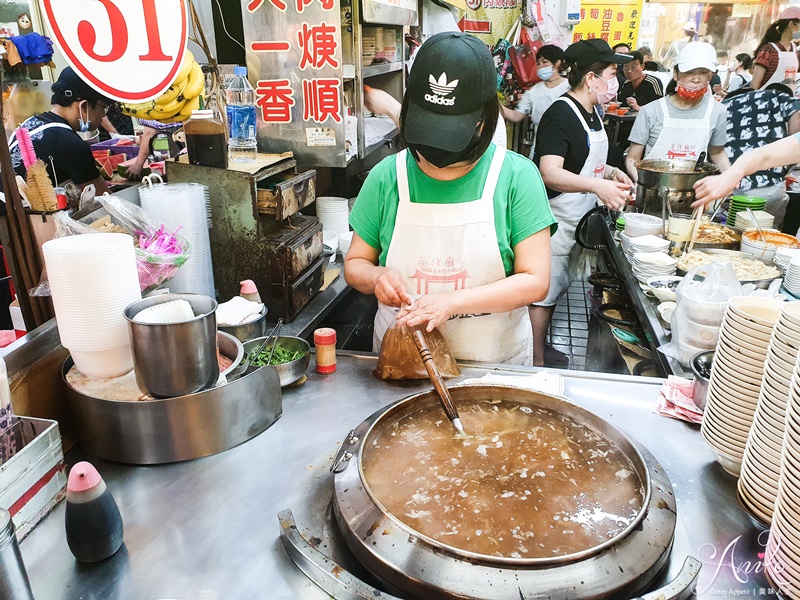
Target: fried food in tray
x,y
714,233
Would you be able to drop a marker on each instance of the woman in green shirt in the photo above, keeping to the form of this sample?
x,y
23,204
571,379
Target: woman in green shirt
x,y
454,232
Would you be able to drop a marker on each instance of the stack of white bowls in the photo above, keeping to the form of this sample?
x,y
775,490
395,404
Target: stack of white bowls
x,y
743,222
782,557
736,374
649,264
765,250
331,240
783,257
184,205
637,224
345,239
93,277
368,49
791,280
646,243
761,466
332,213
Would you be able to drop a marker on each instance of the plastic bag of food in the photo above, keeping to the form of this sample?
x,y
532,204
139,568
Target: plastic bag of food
x,y
400,359
700,307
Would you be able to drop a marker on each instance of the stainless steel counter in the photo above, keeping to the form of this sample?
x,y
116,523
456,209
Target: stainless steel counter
x,y
207,529
645,307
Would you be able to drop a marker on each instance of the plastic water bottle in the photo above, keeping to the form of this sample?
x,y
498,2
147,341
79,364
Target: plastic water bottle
x,y
242,146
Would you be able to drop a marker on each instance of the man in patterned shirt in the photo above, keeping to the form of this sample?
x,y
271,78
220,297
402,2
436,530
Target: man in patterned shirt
x,y
755,119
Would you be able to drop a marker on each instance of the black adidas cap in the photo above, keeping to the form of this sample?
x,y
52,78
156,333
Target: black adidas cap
x,y
452,78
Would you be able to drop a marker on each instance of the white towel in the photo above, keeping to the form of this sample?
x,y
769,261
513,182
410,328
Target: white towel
x,y
546,382
238,310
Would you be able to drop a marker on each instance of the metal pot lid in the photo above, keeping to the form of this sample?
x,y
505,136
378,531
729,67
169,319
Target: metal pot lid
x,y
405,560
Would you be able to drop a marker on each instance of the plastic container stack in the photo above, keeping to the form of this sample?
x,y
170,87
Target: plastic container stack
x,y
92,279
184,205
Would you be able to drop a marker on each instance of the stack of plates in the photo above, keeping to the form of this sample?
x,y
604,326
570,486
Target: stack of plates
x,y
782,559
184,206
741,204
649,264
645,243
333,213
736,374
619,224
761,466
783,256
792,279
93,277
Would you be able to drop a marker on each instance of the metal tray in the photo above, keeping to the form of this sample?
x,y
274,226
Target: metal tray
x,y
759,283
175,429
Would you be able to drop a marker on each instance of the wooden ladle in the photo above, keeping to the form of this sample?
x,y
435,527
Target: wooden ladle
x,y
438,381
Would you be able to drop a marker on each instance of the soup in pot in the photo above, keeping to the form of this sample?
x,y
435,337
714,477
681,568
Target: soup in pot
x,y
526,482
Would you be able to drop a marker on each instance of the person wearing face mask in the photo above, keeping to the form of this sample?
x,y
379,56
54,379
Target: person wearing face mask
x,y
775,58
454,231
75,106
687,121
571,152
550,64
740,72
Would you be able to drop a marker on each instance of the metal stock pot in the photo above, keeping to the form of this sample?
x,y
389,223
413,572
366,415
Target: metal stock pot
x,y
668,183
412,565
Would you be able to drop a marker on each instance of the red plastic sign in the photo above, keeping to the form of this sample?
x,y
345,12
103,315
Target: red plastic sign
x,y
129,50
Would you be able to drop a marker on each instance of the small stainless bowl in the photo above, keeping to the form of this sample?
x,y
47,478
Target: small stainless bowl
x,y
291,371
701,362
247,331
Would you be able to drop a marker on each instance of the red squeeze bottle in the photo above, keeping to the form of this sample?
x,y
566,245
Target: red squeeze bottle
x,y
325,344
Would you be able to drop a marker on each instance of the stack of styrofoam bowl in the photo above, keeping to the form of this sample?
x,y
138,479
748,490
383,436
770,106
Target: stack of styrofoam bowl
x,y
736,374
331,240
93,277
332,213
369,49
345,239
782,557
184,205
646,243
649,264
637,224
783,256
791,280
743,222
761,465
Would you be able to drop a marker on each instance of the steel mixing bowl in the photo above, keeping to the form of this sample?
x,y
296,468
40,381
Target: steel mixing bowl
x,y
291,371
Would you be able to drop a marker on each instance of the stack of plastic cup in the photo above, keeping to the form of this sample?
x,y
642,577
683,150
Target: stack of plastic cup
x,y
93,277
184,205
332,213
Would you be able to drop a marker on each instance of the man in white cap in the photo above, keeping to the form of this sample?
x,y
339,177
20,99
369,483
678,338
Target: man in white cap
x,y
687,121
689,35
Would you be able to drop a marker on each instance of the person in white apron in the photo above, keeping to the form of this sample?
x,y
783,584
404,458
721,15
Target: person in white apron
x,y
776,54
592,77
685,122
75,106
426,224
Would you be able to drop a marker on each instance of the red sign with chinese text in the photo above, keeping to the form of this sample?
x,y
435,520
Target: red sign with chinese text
x,y
129,50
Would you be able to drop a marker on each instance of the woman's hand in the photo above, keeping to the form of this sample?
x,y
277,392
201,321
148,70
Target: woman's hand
x,y
614,194
430,310
390,289
715,187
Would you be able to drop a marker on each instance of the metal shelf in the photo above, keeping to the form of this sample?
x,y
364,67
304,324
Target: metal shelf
x,y
380,69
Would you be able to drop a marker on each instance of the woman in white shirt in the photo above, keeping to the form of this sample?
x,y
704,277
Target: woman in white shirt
x,y
550,65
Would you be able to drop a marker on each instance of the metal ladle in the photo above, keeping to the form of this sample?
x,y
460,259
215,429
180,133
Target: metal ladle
x,y
438,381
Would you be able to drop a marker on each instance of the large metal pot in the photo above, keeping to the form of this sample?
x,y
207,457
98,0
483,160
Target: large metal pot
x,y
414,566
668,181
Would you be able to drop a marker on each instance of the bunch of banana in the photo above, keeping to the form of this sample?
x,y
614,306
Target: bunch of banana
x,y
181,98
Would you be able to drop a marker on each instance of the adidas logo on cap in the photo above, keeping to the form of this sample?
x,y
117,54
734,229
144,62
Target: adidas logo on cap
x,y
440,89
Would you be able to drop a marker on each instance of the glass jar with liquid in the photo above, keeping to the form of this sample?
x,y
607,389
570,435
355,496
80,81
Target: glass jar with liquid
x,y
206,142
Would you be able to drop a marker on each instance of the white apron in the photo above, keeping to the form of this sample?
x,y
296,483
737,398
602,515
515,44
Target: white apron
x,y
445,247
786,72
569,208
682,139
